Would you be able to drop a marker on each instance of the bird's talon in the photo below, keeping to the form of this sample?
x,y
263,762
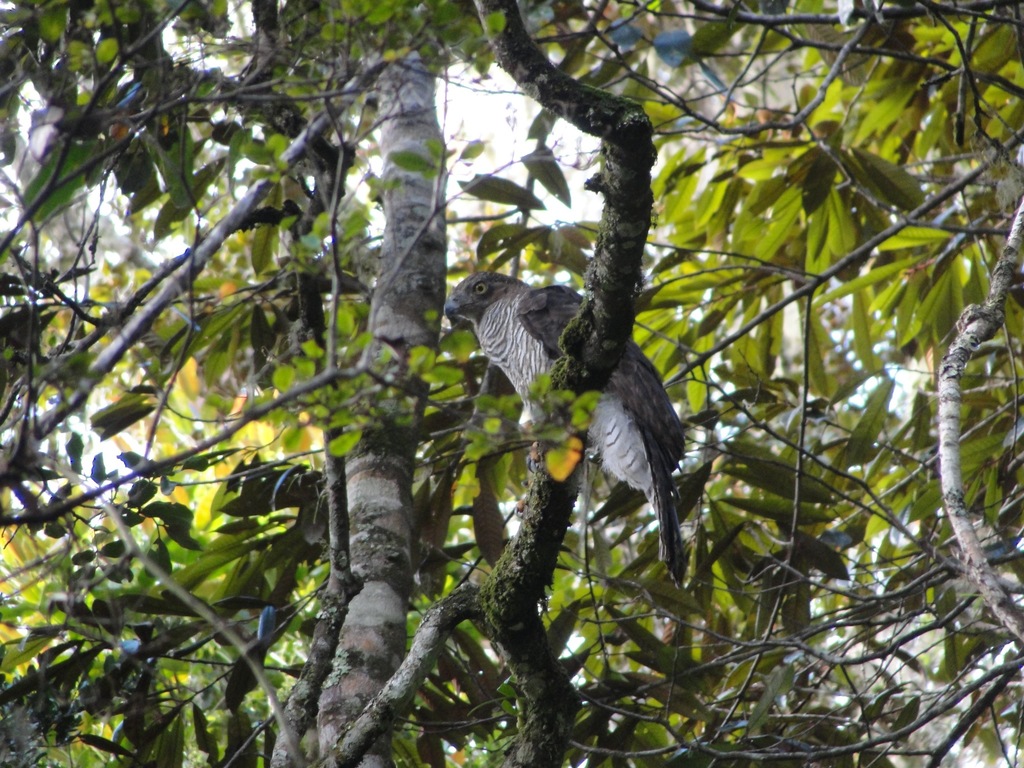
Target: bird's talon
x,y
535,458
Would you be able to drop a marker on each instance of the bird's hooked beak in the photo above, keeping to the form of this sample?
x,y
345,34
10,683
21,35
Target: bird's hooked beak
x,y
451,309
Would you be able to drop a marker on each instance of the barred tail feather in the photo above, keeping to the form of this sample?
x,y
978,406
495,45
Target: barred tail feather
x,y
662,498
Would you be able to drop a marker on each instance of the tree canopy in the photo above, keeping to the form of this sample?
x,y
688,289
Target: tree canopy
x,y
259,507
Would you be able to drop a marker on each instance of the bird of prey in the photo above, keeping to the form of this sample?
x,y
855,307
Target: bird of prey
x,y
634,427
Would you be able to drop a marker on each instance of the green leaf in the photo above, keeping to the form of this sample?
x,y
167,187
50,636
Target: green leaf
x,y
498,190
817,182
160,556
176,167
873,277
494,23
283,377
47,190
508,237
710,36
265,240
914,237
106,745
415,162
107,50
74,447
778,684
122,414
98,473
544,168
345,442
776,477
170,214
113,549
821,556
781,510
889,182
870,428
204,739
177,520
473,150
53,21
135,171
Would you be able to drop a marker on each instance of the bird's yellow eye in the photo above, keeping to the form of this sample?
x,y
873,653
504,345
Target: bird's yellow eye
x,y
480,288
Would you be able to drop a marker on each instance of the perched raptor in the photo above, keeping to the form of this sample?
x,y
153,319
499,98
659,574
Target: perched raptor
x,y
634,427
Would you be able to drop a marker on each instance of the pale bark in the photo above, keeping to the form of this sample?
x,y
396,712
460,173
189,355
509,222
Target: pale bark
x,y
405,312
398,693
976,325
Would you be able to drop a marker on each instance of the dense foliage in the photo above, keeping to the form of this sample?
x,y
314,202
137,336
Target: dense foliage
x,y
833,187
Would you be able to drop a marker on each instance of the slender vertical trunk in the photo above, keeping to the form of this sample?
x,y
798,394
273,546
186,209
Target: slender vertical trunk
x,y
405,312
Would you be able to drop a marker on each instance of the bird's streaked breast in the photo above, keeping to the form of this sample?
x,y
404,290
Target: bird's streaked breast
x,y
507,343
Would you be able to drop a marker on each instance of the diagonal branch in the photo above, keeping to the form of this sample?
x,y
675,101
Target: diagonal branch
x,y
976,325
184,275
592,345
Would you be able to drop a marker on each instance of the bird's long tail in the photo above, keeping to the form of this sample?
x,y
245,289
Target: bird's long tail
x,y
671,548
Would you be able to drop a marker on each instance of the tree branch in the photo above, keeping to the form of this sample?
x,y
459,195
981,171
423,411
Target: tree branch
x,y
395,697
592,345
976,325
614,276
182,277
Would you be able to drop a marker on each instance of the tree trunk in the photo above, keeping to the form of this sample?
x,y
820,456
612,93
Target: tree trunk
x,y
405,312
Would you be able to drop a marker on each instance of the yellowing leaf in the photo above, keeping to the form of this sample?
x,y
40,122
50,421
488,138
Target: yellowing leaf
x,y
563,460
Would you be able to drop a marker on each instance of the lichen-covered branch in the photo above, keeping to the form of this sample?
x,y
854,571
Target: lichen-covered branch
x,y
592,344
976,325
509,599
628,154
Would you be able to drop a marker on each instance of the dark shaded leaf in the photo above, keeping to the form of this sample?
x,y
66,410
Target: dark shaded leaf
x,y
776,477
543,166
889,182
626,36
498,190
105,745
121,415
58,180
204,739
870,428
673,46
508,237
821,556
488,522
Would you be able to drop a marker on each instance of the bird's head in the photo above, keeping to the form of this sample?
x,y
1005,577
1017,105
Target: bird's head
x,y
471,298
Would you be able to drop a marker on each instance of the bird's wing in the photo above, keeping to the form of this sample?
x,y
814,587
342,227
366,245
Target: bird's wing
x,y
544,313
637,384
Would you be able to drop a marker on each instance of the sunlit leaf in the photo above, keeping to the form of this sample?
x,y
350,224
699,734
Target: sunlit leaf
x,y
345,442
